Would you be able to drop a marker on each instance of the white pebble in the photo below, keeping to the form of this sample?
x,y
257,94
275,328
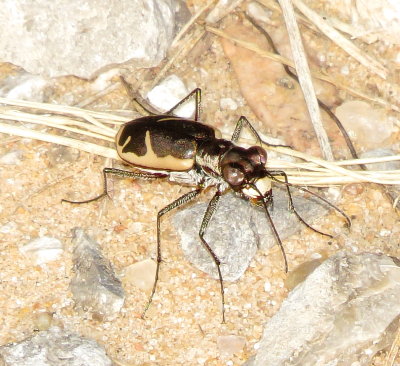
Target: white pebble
x,y
141,274
345,70
228,103
170,92
369,126
8,228
11,158
230,344
43,250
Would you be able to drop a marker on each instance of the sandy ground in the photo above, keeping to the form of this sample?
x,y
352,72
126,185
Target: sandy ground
x,y
184,324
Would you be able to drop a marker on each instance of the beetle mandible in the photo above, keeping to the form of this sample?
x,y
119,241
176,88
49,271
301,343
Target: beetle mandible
x,y
188,152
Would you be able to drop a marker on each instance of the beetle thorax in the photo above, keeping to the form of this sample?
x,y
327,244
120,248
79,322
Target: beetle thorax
x,y
209,154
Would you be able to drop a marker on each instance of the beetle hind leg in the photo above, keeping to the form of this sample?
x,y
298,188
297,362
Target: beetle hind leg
x,y
122,174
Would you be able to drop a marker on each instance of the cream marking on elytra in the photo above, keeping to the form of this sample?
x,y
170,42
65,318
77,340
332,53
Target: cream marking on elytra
x,y
151,160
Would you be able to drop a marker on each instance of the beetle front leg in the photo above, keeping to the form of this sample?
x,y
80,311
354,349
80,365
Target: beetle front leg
x,y
122,174
278,173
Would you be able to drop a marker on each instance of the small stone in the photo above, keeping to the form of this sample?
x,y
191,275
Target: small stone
x,y
24,86
58,154
43,250
237,228
169,93
94,287
393,190
231,235
43,320
228,345
141,274
228,103
11,158
348,304
369,126
54,347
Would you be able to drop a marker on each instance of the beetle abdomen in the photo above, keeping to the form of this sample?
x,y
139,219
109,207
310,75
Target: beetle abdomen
x,y
161,142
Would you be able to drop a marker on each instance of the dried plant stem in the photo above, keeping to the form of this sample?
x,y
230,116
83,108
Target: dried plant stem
x,y
263,53
304,76
309,171
61,140
394,350
341,41
181,53
191,21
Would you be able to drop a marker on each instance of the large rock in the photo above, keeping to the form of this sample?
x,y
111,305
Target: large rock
x,y
64,37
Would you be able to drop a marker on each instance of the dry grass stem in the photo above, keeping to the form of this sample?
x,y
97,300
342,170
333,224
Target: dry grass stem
x,y
304,76
191,21
306,170
263,53
336,37
222,9
394,349
110,88
187,44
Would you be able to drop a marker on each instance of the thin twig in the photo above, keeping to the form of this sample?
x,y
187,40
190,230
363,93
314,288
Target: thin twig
x,y
263,53
341,41
294,77
191,21
311,171
181,53
394,349
60,140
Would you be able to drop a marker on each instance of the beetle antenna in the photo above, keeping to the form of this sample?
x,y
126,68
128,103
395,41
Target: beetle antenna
x,y
276,234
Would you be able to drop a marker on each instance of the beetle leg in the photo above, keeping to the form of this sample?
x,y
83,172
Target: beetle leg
x,y
211,208
239,127
197,93
122,174
138,105
274,174
175,204
265,201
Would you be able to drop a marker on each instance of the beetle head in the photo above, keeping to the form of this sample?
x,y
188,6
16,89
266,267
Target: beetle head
x,y
242,168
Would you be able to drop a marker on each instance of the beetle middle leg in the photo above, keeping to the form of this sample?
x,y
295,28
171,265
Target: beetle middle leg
x,y
239,127
175,204
211,208
197,93
122,174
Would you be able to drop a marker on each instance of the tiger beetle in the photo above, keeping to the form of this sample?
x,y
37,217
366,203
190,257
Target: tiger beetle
x,y
188,152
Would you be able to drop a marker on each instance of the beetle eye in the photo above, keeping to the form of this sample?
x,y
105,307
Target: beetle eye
x,y
233,175
257,155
